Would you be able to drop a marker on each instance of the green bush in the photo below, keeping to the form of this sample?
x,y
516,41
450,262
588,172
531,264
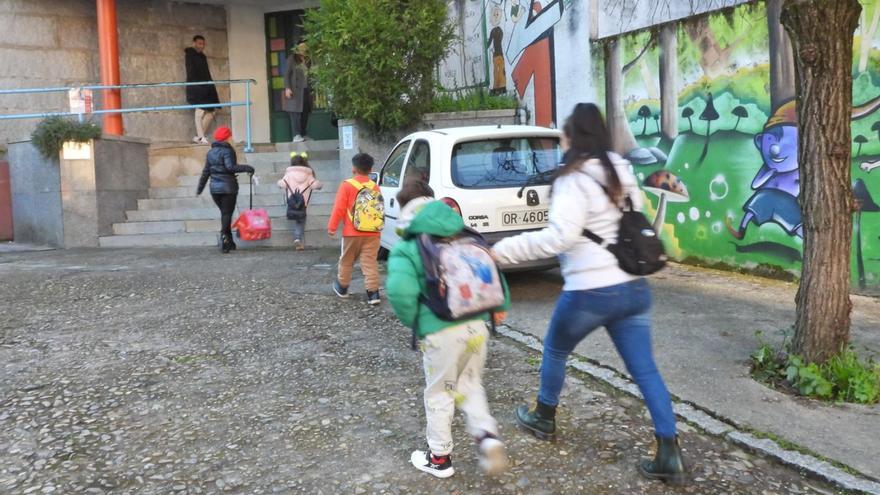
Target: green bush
x,y
377,58
470,101
51,134
844,377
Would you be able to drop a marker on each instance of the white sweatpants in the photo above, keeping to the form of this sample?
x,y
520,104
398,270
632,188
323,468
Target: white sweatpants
x,y
454,360
203,121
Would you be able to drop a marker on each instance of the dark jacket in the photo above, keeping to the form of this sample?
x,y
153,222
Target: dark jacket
x,y
221,165
196,71
295,80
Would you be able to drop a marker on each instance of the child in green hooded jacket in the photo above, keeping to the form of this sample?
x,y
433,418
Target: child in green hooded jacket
x,y
454,352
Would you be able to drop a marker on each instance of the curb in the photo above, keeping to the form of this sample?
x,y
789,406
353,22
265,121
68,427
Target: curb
x,y
816,467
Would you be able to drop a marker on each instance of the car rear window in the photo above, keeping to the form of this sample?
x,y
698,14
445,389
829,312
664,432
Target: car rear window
x,y
509,162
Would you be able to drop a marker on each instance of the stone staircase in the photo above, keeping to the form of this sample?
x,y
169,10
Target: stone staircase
x,y
174,216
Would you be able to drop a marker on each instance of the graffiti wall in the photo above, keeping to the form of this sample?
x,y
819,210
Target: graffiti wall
x,y
707,105
524,47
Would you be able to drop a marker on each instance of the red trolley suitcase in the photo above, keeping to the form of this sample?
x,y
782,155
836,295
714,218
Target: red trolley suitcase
x,y
253,225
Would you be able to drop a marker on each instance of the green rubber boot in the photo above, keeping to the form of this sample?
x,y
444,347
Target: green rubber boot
x,y
667,464
540,421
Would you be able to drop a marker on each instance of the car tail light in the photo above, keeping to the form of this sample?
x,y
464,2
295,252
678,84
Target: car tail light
x,y
452,204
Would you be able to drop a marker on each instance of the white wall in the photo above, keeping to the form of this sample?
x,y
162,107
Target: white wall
x,y
247,60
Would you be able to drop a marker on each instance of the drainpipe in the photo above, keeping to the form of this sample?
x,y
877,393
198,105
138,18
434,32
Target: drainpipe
x,y
108,48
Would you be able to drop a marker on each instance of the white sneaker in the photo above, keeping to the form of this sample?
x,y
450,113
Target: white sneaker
x,y
204,141
298,245
298,139
423,462
493,456
196,139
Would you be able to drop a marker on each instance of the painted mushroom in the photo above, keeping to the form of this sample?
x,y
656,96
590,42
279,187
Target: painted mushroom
x,y
864,203
668,188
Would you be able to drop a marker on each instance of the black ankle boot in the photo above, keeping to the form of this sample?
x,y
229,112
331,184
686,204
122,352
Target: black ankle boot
x,y
540,421
667,464
226,243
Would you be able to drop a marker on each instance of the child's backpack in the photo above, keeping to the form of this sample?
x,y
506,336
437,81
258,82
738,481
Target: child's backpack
x,y
296,203
462,277
368,212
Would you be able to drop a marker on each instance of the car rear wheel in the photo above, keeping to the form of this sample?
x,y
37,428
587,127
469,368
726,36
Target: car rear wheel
x,y
383,254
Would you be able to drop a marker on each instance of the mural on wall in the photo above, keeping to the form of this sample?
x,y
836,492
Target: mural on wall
x,y
709,103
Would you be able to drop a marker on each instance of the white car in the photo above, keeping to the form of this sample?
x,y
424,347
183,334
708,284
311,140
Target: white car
x,y
498,177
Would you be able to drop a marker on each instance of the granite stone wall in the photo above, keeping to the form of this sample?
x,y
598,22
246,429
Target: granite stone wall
x,y
54,43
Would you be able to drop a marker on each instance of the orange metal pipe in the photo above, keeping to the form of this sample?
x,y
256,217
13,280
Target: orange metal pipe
x,y
108,48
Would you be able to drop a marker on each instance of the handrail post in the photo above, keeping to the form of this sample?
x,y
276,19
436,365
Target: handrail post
x,y
247,106
108,48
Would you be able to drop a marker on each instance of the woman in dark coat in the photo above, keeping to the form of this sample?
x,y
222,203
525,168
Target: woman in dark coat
x,y
197,70
221,165
296,91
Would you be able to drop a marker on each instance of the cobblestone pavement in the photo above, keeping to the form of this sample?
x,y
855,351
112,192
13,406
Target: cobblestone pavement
x,y
184,371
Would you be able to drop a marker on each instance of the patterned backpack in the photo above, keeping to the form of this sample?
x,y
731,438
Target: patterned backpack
x,y
462,278
368,212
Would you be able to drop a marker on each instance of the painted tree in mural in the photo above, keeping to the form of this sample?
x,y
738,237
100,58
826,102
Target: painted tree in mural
x,y
669,82
622,137
867,32
782,76
821,34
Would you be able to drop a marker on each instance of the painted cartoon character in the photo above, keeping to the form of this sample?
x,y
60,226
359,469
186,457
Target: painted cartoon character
x,y
777,184
496,38
530,51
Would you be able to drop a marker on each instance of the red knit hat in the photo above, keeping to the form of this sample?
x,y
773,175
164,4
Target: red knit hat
x,y
222,134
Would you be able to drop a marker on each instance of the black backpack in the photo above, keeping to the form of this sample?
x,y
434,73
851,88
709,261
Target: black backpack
x,y
639,250
296,203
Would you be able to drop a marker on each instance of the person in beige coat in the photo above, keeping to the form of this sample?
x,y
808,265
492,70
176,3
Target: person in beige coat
x,y
299,177
296,91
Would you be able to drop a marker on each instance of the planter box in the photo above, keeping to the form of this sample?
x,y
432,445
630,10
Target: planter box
x,y
363,143
70,202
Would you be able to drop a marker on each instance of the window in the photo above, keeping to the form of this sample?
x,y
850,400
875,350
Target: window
x,y
394,166
419,165
509,162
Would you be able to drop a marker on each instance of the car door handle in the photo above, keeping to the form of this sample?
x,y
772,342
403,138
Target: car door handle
x,y
392,202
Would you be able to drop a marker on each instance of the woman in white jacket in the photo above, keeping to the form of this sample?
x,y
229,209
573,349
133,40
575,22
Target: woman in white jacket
x,y
587,192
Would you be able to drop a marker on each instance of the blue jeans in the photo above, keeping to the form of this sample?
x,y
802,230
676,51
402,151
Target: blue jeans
x,y
624,310
299,230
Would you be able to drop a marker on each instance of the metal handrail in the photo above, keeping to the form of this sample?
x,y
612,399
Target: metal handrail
x,y
98,87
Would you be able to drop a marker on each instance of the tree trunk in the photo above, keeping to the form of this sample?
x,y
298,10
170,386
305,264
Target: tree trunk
x,y
622,138
782,77
821,34
668,82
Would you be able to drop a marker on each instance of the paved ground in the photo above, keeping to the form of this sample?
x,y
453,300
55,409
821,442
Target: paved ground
x,y
188,372
705,324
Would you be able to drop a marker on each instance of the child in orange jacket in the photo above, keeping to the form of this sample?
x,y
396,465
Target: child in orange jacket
x,y
356,244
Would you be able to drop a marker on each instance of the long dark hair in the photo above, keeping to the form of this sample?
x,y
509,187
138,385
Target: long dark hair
x,y
588,138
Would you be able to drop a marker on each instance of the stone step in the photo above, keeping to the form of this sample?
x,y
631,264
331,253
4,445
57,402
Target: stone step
x,y
263,188
309,146
280,238
208,213
314,222
259,200
274,166
329,177
284,157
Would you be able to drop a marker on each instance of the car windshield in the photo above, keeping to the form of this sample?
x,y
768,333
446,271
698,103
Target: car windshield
x,y
507,162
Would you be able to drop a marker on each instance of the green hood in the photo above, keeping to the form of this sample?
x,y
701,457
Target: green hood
x,y
435,218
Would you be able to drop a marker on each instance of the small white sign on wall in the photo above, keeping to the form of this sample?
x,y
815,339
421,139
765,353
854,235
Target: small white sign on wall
x,y
347,137
76,151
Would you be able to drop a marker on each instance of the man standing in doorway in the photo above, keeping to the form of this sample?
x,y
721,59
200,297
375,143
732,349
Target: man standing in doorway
x,y
197,71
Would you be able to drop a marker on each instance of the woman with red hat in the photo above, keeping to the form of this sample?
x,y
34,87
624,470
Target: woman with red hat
x,y
221,165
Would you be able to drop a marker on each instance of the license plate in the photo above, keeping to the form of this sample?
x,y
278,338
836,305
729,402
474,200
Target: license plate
x,y
524,217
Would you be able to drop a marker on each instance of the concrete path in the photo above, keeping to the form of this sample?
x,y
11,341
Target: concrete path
x,y
188,372
705,324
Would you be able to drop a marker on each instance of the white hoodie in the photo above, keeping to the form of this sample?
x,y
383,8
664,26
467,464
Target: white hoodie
x,y
578,202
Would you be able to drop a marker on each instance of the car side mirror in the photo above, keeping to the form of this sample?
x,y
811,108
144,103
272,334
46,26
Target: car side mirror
x,y
374,177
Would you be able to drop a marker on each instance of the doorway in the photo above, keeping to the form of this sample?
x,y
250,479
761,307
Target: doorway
x,y
284,30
